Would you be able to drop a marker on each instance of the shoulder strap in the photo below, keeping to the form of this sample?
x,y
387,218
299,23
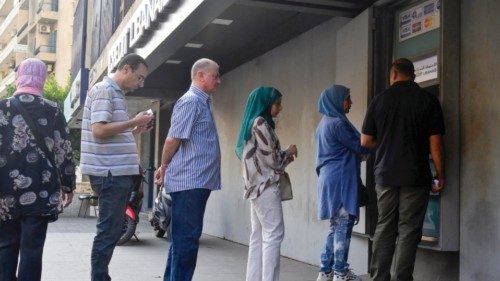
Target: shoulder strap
x,y
35,131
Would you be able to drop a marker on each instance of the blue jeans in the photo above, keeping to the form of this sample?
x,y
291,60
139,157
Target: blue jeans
x,y
22,237
336,250
188,208
114,192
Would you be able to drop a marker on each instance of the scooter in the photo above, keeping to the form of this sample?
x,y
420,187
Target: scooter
x,y
131,218
161,215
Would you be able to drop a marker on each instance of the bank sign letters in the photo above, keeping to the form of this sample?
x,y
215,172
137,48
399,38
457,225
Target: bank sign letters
x,y
141,21
419,19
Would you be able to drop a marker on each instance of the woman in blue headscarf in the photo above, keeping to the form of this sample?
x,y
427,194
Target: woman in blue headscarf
x,y
338,167
263,161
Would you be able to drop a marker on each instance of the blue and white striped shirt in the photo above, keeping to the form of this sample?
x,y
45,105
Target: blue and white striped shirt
x,y
196,164
116,154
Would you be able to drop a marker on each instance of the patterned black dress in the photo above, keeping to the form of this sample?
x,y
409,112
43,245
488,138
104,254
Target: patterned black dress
x,y
29,184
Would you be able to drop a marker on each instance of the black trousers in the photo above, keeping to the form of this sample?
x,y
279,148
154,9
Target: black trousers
x,y
401,212
22,239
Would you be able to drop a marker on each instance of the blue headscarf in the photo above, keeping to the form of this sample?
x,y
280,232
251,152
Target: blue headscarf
x,y
331,103
258,104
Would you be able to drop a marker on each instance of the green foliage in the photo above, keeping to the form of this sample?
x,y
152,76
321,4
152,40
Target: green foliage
x,y
10,90
52,91
75,136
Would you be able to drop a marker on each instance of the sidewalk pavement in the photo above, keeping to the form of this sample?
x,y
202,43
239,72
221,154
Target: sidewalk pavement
x,y
69,242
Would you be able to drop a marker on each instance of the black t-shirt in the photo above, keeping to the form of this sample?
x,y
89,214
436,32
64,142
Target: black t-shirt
x,y
402,118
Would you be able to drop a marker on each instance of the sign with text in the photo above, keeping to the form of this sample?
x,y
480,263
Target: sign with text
x,y
143,19
419,19
426,69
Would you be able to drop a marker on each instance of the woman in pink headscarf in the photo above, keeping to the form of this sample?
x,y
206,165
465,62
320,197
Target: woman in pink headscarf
x,y
36,177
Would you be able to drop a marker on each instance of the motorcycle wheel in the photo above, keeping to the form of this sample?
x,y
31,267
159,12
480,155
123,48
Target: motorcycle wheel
x,y
128,230
159,233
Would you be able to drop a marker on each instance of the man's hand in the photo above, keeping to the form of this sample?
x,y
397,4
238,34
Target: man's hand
x,y
438,185
104,130
141,129
160,174
66,198
143,118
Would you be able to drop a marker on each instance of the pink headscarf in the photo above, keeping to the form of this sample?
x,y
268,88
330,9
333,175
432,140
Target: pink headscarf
x,y
30,77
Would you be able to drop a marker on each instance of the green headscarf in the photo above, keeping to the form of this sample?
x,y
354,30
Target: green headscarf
x,y
258,104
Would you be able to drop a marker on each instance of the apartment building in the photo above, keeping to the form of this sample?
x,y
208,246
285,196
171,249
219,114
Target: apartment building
x,y
35,28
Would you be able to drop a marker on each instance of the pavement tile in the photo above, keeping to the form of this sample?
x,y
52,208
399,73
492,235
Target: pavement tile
x,y
69,241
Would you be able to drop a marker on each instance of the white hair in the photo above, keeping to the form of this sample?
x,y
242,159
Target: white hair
x,y
202,64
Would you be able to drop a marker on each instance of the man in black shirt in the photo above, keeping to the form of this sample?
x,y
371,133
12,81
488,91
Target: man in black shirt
x,y
405,123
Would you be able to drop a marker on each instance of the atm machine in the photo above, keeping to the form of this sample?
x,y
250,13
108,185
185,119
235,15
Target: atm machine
x,y
426,32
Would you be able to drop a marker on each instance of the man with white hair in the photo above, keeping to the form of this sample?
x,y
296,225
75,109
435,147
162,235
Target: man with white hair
x,y
190,168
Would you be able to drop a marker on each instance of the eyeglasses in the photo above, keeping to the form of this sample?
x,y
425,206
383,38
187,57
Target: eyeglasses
x,y
140,77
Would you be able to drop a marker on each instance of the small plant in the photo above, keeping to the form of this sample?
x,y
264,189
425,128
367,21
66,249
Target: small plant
x,y
10,90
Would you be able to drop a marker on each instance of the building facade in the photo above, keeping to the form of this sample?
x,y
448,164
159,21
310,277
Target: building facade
x,y
301,48
35,28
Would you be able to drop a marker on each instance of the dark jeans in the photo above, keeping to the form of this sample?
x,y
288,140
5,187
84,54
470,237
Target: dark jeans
x,y
188,208
24,236
401,212
114,192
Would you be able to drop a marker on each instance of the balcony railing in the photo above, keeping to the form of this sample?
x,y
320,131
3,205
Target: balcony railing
x,y
48,6
24,4
9,19
22,29
45,49
2,2
6,52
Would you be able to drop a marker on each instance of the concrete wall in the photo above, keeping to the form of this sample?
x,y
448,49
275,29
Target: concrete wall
x,y
64,41
300,69
306,65
480,151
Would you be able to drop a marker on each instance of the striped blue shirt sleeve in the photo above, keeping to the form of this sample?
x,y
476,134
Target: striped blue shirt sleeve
x,y
183,119
102,106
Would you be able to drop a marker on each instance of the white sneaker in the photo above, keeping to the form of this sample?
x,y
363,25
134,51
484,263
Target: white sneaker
x,y
323,276
349,276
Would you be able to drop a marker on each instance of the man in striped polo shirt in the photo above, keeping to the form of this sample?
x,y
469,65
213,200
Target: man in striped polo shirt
x,y
109,153
190,168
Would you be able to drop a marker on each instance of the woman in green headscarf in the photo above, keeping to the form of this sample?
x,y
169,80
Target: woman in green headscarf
x,y
263,161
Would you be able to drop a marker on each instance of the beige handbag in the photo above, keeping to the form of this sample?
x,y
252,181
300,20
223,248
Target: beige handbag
x,y
285,187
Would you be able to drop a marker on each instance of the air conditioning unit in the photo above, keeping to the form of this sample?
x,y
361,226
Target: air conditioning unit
x,y
44,28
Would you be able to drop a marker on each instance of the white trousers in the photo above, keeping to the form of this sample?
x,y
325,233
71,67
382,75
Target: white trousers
x,y
267,234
